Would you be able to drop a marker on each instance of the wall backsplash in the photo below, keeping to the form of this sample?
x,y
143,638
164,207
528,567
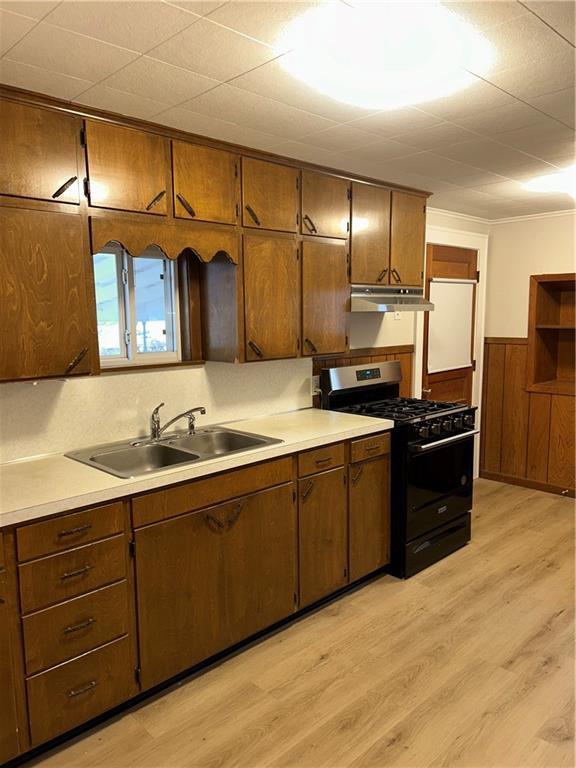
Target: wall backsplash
x,y
54,416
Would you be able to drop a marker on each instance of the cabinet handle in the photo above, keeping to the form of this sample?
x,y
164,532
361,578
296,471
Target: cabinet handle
x,y
357,476
256,349
84,689
426,391
382,275
64,187
156,200
327,460
310,226
312,346
253,216
369,448
233,517
396,275
186,205
308,491
78,572
214,524
73,531
79,626
77,360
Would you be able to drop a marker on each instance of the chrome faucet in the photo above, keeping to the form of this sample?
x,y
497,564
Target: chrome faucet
x,y
156,431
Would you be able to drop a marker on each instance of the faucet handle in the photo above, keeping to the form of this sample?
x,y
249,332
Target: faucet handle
x,y
156,410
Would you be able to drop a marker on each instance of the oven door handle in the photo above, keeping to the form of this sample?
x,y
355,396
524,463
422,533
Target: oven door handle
x,y
444,441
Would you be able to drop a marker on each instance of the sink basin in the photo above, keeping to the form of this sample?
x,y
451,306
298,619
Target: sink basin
x,y
141,459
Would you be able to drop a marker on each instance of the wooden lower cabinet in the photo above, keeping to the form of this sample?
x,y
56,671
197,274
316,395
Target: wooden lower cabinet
x,y
323,531
9,745
211,578
562,444
369,516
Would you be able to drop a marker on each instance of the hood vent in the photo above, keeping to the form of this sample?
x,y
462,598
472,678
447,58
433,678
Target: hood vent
x,y
388,298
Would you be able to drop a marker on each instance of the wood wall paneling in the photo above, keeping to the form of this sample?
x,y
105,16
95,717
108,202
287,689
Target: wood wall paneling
x,y
515,412
494,356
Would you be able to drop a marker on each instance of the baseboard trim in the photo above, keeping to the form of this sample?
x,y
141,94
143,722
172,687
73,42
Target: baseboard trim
x,y
528,483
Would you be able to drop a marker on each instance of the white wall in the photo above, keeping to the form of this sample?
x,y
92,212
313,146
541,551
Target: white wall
x,y
59,415
518,249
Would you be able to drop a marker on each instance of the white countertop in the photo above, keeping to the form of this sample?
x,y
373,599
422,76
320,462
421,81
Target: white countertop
x,y
37,488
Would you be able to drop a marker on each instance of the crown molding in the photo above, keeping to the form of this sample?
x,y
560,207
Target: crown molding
x,y
457,215
529,216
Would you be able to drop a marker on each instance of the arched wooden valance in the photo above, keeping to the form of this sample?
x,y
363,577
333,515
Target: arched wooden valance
x,y
173,238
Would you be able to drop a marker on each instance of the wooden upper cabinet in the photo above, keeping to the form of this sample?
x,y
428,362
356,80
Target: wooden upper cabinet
x,y
370,233
47,318
128,170
407,233
39,153
325,205
269,195
325,297
271,297
205,183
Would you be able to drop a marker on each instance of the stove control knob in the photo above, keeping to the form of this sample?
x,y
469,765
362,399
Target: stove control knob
x,y
436,428
469,420
458,422
447,425
423,431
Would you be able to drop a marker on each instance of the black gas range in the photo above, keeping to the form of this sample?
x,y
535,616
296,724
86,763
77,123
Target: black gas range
x,y
432,461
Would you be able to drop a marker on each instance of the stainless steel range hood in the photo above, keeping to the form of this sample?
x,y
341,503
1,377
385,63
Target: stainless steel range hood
x,y
388,298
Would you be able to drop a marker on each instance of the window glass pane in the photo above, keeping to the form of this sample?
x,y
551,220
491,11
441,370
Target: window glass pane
x,y
107,303
154,303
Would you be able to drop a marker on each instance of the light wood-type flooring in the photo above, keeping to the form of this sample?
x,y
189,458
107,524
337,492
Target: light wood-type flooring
x,y
468,664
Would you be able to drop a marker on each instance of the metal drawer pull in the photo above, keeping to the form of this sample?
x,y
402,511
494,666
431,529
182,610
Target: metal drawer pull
x,y
371,448
308,491
324,461
357,476
310,226
84,689
156,200
382,275
78,572
255,348
253,216
312,346
74,531
215,525
77,360
186,205
79,626
64,187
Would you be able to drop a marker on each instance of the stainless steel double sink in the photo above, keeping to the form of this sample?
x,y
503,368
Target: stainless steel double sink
x,y
133,458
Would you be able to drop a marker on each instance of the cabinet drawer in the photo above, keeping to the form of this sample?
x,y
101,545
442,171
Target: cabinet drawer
x,y
320,459
162,505
61,533
79,625
59,577
79,690
369,447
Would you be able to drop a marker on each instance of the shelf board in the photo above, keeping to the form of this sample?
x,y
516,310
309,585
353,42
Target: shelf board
x,y
554,387
555,327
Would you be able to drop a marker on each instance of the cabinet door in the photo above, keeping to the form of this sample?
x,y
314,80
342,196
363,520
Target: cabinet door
x,y
205,183
47,323
323,533
407,239
269,195
271,297
38,153
370,233
8,722
369,510
127,169
561,454
325,297
208,579
325,205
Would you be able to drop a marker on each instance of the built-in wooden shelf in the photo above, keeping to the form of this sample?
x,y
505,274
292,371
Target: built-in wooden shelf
x,y
555,327
554,387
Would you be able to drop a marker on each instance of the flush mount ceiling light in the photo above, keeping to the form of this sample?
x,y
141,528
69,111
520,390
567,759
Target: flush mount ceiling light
x,y
384,55
563,182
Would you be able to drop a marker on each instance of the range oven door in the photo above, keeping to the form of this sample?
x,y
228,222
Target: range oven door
x,y
439,482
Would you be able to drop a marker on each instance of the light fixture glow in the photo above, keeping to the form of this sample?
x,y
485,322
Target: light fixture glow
x,y
384,55
563,182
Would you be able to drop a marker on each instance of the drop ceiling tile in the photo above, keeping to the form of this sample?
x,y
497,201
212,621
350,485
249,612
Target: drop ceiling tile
x,y
112,100
382,150
482,14
509,190
550,73
192,122
559,15
244,108
212,51
261,20
41,80
199,7
12,29
59,50
437,167
490,156
559,104
508,117
157,80
33,10
546,140
397,121
308,154
478,97
441,135
272,80
341,138
138,26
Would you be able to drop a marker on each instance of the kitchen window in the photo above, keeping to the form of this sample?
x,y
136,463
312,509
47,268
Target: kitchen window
x,y
136,307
